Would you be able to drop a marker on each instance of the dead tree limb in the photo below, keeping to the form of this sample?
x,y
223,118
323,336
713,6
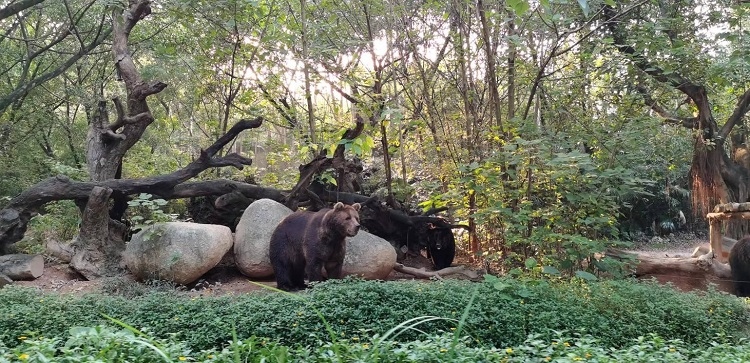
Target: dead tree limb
x,y
16,215
684,271
424,274
321,162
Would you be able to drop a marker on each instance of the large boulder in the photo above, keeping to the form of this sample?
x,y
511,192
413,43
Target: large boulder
x,y
368,256
177,251
253,236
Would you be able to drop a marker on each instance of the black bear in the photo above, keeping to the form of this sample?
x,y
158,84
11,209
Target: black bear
x,y
305,242
739,261
441,248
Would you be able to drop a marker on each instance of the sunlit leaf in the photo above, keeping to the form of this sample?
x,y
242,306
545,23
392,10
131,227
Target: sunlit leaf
x,y
586,275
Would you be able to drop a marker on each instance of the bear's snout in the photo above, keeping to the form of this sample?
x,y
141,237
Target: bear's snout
x,y
354,229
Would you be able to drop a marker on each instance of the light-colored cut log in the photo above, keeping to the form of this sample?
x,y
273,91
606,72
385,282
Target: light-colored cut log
x,y
714,235
687,273
63,252
726,246
727,215
424,274
21,266
732,207
698,267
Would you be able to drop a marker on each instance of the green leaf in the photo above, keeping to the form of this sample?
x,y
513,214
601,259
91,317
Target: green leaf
x,y
524,292
519,7
491,279
500,286
530,262
586,275
357,149
585,7
550,270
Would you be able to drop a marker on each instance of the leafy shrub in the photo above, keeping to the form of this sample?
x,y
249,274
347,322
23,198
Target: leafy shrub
x,y
104,343
615,312
545,200
58,221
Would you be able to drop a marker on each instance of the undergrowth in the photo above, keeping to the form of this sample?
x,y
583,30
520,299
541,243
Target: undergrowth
x,y
615,312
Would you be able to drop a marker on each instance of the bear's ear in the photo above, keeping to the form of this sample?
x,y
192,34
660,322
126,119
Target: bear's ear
x,y
338,206
356,206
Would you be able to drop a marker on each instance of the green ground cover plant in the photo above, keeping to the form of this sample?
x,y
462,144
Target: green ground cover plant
x,y
504,313
113,345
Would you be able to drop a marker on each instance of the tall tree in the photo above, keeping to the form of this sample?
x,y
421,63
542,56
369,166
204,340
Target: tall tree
x,y
718,173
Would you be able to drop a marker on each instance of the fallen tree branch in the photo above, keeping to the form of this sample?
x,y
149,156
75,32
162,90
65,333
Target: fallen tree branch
x,y
701,267
424,274
16,215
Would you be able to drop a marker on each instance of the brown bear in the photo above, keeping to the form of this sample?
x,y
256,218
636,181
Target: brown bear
x,y
305,242
739,261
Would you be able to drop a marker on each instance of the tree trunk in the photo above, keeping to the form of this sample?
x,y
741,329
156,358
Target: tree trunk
x,y
106,145
101,240
306,73
714,176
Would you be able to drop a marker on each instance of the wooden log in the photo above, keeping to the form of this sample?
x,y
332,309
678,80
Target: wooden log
x,y
726,244
714,233
5,280
732,207
686,273
21,266
63,252
727,215
424,274
697,267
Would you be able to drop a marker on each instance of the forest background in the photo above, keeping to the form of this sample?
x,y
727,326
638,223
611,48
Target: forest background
x,y
551,129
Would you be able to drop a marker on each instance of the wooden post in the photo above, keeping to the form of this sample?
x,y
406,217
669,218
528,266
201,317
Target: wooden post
x,y
714,233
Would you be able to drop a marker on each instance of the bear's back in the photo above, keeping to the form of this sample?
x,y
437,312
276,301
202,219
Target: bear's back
x,y
301,223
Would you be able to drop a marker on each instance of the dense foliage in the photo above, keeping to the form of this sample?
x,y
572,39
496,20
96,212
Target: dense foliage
x,y
127,345
502,313
523,117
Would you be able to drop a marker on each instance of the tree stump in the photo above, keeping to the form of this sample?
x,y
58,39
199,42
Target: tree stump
x,y
21,266
99,244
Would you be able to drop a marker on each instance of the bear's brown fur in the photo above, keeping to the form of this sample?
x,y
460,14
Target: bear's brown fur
x,y
306,242
739,261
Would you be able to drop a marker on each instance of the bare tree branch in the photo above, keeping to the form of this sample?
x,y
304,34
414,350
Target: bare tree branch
x,y
25,87
15,216
743,106
689,122
123,118
17,7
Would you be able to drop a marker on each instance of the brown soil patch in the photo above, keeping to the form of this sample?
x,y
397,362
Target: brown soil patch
x,y
227,280
224,279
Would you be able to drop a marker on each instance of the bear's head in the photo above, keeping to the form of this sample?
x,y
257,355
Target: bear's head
x,y
344,219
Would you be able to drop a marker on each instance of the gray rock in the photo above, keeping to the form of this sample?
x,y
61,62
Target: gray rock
x,y
368,256
177,251
253,236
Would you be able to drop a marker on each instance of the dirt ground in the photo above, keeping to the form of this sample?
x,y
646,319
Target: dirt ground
x,y
227,280
222,280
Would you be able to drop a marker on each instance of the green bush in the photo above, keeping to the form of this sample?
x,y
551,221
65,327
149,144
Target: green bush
x,y
615,312
105,344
